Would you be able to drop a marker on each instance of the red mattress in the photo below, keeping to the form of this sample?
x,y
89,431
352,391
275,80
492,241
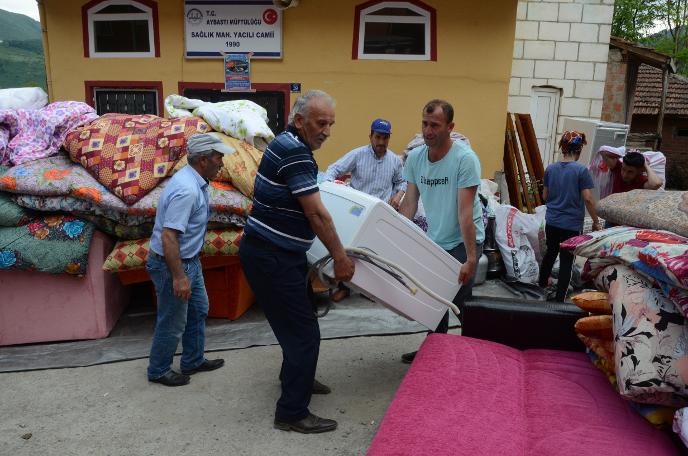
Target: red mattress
x,y
465,396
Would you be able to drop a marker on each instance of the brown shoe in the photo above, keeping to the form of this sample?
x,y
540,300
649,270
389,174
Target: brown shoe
x,y
340,294
310,425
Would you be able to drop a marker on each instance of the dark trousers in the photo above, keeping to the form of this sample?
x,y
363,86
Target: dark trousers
x,y
459,252
279,280
555,236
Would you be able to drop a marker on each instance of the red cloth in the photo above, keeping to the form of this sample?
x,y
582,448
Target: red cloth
x,y
465,396
619,186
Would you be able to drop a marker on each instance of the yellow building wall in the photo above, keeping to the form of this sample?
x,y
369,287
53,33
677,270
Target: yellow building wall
x,y
474,54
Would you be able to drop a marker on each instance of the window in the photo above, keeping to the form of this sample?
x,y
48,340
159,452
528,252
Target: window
x,y
125,97
121,28
682,132
126,101
395,31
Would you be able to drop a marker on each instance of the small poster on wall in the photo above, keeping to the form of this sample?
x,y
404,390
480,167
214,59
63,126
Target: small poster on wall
x,y
238,72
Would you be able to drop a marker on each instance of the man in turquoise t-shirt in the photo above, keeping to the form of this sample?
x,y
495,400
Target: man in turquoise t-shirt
x,y
446,175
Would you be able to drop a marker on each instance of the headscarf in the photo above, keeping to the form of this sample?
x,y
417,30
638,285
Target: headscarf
x,y
572,142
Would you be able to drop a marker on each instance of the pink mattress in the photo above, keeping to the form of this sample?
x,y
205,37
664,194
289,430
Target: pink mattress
x,y
465,396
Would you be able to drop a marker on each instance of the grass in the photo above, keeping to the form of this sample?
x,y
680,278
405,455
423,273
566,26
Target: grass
x,y
21,67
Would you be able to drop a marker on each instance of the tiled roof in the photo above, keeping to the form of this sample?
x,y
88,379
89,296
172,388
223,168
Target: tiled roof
x,y
648,93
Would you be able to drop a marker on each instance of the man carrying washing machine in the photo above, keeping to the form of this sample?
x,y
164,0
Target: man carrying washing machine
x,y
446,174
287,214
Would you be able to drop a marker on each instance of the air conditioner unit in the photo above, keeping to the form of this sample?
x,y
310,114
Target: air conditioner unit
x,y
368,223
597,134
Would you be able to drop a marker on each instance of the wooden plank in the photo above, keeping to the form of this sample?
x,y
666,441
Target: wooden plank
x,y
534,183
513,145
510,173
533,148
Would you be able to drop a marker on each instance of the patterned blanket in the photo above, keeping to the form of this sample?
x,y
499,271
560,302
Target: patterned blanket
x,y
130,155
129,255
57,184
241,119
660,256
27,135
650,339
647,209
50,243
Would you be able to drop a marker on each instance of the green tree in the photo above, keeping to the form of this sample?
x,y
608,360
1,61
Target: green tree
x,y
634,18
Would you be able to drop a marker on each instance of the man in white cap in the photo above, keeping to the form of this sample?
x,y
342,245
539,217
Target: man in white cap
x,y
173,263
375,170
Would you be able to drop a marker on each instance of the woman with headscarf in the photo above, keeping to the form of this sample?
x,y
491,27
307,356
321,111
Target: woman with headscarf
x,y
567,193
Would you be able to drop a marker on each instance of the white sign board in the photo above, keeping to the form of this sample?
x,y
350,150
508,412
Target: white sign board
x,y
213,28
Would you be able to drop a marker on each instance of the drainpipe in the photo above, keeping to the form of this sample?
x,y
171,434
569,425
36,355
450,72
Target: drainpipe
x,y
46,47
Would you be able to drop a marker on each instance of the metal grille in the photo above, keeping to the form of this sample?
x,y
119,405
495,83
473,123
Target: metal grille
x,y
126,101
272,101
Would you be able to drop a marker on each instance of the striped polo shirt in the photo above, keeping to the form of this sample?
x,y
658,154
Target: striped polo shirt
x,y
378,177
286,172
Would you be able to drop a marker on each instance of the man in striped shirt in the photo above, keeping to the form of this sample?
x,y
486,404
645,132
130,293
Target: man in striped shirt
x,y
374,169
287,215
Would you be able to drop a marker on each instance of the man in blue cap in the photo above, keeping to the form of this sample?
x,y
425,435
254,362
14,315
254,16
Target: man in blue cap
x,y
375,170
181,221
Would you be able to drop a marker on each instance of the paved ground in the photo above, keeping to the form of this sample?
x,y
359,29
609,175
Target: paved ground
x,y
112,409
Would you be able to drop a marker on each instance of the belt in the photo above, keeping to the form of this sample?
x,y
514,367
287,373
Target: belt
x,y
160,257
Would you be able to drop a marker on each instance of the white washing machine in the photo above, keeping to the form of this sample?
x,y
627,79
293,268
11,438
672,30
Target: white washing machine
x,y
368,223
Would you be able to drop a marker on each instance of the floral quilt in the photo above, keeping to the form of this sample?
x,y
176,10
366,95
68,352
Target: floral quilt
x,y
241,119
647,209
11,214
650,339
52,243
27,135
56,183
118,230
658,255
131,154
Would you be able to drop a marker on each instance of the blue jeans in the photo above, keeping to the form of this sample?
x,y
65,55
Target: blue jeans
x,y
177,319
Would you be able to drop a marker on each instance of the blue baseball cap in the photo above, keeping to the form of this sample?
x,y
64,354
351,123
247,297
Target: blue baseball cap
x,y
381,126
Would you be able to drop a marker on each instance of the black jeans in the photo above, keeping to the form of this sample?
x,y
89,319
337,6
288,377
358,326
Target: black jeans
x,y
459,252
555,236
278,278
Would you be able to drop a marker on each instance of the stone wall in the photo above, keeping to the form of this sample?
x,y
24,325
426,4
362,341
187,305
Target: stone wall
x,y
562,44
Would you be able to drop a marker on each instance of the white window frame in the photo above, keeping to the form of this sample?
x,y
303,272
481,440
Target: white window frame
x,y
366,17
147,15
